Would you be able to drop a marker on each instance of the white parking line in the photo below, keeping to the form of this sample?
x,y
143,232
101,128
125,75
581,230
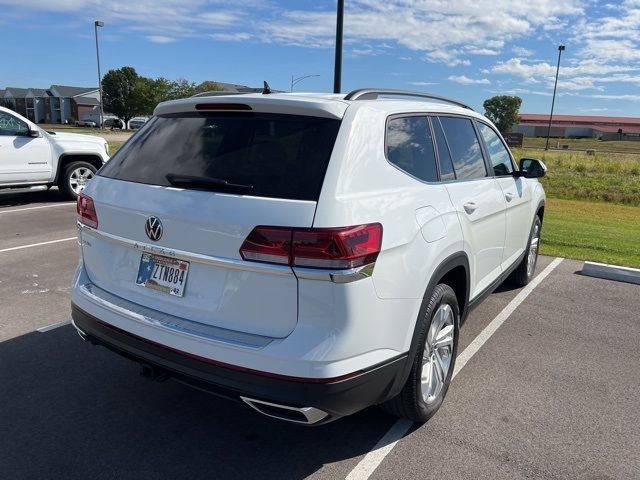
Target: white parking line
x,y
37,208
372,460
37,244
53,326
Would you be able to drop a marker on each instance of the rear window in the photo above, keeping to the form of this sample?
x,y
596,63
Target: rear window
x,y
410,147
281,156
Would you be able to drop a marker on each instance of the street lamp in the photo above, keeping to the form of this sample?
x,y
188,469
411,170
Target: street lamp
x,y
337,71
561,49
97,24
295,81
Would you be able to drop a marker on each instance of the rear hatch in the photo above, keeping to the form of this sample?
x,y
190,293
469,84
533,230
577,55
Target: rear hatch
x,y
207,178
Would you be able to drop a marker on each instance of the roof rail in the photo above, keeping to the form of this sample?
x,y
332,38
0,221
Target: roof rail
x,y
373,93
217,93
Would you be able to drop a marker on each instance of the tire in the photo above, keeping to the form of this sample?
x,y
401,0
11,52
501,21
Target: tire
x,y
419,400
74,177
524,273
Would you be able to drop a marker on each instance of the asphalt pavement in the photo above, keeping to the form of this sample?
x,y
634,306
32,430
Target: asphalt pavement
x,y
554,392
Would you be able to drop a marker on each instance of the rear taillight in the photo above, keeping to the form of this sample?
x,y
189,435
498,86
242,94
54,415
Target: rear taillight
x,y
268,244
331,248
87,211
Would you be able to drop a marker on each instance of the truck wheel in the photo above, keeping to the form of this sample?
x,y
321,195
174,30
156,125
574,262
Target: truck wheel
x,y
432,369
74,178
522,275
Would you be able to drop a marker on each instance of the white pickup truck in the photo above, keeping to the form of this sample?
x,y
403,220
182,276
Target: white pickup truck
x,y
32,159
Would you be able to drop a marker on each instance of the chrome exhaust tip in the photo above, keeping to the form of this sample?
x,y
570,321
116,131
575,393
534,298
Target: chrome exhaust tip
x,y
301,415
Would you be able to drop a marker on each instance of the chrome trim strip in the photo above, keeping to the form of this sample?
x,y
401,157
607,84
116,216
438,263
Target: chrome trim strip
x,y
312,414
183,326
192,257
335,276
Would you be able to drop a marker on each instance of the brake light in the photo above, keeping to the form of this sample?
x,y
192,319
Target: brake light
x,y
222,106
87,211
334,248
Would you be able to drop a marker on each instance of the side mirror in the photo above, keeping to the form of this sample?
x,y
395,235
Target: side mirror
x,y
532,168
34,133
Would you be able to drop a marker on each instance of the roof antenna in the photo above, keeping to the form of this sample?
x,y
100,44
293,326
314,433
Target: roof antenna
x,y
267,89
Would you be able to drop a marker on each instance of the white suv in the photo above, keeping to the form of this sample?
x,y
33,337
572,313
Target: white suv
x,y
309,254
32,159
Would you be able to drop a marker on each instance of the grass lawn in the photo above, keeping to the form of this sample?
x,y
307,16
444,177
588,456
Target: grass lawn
x,y
600,232
624,146
606,177
113,147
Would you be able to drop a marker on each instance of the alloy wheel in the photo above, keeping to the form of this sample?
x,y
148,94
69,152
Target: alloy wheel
x,y
437,354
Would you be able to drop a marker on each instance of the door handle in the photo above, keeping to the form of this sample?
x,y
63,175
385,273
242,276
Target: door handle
x,y
509,196
470,207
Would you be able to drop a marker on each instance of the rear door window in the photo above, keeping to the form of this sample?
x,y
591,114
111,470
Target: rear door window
x,y
410,147
444,156
498,153
280,156
466,153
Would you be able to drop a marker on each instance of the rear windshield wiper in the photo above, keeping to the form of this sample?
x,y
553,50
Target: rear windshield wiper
x,y
206,183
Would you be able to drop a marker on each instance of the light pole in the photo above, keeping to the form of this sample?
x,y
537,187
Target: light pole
x,y
97,24
337,72
553,101
295,81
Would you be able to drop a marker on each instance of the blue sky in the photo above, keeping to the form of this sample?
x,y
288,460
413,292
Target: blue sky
x,y
468,49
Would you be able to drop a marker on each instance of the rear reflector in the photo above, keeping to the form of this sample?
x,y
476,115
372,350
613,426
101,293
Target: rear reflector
x,y
222,106
332,248
87,211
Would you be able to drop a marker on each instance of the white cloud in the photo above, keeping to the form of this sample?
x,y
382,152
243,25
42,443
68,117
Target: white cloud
x,y
522,52
422,84
160,39
232,37
440,31
464,80
629,98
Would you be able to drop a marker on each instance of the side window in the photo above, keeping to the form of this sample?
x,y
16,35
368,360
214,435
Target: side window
x,y
498,153
444,156
410,147
11,126
465,148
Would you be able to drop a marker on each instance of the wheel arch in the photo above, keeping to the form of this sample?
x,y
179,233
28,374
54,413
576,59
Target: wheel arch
x,y
67,158
454,271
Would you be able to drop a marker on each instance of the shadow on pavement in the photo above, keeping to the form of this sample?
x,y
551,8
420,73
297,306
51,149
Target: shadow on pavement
x,y
74,411
24,199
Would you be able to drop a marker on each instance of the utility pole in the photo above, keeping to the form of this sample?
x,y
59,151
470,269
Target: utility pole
x,y
337,72
97,24
553,101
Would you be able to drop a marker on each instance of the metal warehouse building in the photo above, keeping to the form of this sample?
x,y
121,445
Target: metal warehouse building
x,y
579,126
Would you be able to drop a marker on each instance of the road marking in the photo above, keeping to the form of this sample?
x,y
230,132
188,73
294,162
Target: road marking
x,y
37,244
398,430
54,326
37,208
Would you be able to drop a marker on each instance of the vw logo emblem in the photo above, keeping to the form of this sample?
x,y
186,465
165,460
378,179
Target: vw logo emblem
x,y
153,228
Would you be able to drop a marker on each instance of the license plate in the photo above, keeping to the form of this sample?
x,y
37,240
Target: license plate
x,y
165,274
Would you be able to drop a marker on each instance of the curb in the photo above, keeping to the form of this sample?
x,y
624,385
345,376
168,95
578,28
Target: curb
x,y
611,272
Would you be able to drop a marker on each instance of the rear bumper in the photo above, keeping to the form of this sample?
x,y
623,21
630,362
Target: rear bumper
x,y
337,397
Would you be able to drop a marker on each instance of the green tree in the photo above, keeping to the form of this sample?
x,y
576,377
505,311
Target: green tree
x,y
148,93
208,86
119,93
503,110
181,88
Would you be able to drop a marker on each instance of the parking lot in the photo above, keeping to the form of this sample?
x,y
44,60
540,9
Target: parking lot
x,y
553,392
